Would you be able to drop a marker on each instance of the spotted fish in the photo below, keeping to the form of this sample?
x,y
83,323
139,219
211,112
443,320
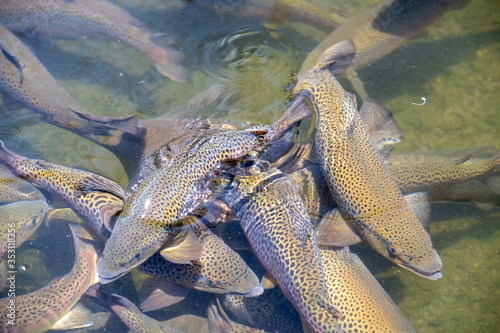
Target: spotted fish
x,y
278,228
271,311
135,320
219,270
365,304
152,212
18,221
92,18
14,189
42,309
219,322
380,30
432,173
93,198
367,195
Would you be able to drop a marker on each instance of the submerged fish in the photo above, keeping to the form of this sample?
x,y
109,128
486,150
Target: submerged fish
x,y
98,19
278,228
152,212
367,196
380,30
219,270
135,320
13,189
42,309
432,173
219,322
18,221
93,198
322,17
365,304
271,311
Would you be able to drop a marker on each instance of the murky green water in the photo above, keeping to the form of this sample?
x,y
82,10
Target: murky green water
x,y
454,64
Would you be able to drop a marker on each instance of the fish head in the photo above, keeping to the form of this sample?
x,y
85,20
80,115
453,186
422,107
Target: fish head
x,y
132,241
414,253
334,61
35,214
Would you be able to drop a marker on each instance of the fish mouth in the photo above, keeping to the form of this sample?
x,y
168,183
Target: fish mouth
x,y
434,275
256,291
107,279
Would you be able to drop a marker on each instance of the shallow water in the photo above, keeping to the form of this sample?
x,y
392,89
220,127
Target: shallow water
x,y
454,65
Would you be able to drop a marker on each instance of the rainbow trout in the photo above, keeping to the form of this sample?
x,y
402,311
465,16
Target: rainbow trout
x,y
380,30
152,213
366,194
18,221
278,228
42,309
92,18
94,199
365,304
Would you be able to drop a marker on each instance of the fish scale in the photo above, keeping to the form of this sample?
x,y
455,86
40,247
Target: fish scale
x,y
278,228
367,195
354,290
93,198
39,310
219,269
153,211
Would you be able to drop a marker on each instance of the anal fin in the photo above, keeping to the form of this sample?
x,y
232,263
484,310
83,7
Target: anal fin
x,y
158,293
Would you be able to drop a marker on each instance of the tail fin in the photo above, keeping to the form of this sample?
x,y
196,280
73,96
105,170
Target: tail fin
x,y
87,250
168,60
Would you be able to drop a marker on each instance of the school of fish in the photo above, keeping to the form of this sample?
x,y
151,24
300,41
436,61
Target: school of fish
x,y
253,219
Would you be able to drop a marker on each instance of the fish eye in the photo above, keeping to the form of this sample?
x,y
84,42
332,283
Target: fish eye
x,y
392,250
138,255
33,221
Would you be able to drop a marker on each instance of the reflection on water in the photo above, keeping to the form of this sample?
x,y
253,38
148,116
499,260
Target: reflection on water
x,y
454,65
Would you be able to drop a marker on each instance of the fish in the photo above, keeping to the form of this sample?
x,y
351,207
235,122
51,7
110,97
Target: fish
x,y
128,312
41,310
365,304
379,31
219,322
152,212
98,19
315,14
219,270
271,311
92,197
366,194
434,173
279,230
13,189
18,221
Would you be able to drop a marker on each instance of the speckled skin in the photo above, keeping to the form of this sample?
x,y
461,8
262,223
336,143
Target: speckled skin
x,y
39,310
428,173
91,18
93,198
219,270
219,322
353,289
271,311
27,217
13,189
152,212
278,228
367,195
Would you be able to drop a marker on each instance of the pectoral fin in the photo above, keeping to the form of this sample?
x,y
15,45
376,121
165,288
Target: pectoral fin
x,y
419,204
380,123
12,58
334,230
268,281
94,183
182,249
159,293
78,317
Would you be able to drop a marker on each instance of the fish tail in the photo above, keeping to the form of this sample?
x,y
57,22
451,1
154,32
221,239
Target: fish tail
x,y
496,163
87,251
168,60
9,158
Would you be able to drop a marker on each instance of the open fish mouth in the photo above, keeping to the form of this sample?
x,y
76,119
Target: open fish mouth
x,y
429,275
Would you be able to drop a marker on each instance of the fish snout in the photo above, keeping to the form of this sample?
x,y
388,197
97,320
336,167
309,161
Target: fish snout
x,y
428,265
